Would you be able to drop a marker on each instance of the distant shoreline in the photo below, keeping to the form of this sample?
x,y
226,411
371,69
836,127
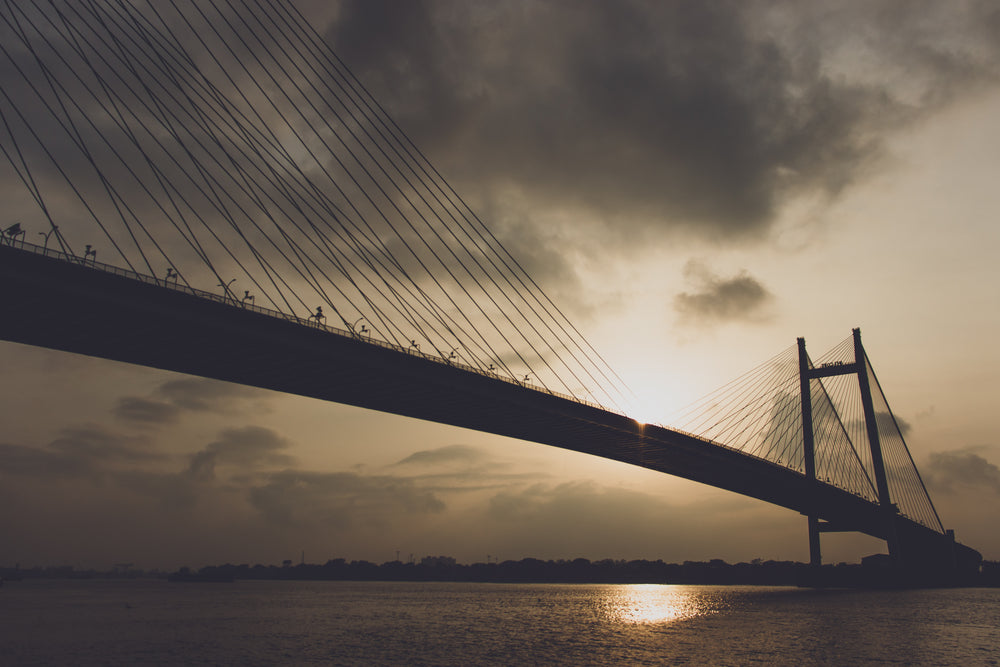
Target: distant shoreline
x,y
532,570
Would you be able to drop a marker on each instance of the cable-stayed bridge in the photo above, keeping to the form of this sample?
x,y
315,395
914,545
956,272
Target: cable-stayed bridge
x,y
205,187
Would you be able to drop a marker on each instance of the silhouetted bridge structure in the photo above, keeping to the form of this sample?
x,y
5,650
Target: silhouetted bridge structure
x,y
260,156
64,303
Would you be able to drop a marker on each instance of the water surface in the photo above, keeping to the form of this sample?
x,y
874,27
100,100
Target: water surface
x,y
360,623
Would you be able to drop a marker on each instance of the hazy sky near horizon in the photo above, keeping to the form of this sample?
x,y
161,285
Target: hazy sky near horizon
x,y
698,184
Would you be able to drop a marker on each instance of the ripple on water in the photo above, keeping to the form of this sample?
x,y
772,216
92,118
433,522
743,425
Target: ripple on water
x,y
152,622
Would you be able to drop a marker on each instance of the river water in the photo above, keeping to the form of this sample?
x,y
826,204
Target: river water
x,y
107,622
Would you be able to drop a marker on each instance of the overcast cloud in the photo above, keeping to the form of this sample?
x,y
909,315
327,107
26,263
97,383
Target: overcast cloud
x,y
705,117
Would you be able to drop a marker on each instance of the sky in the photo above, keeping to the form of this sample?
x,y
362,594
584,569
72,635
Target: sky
x,y
696,184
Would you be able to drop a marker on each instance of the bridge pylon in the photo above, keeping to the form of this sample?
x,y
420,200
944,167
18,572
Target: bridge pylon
x,y
920,552
809,447
888,511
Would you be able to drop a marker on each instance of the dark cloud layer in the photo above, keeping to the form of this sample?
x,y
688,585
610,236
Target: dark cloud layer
x,y
270,509
423,502
587,127
705,116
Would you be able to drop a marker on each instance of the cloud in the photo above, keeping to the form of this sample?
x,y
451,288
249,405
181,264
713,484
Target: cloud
x,y
172,490
462,469
702,117
32,462
904,426
146,411
716,299
174,397
886,422
591,124
950,472
448,454
247,447
585,517
339,498
202,394
103,446
599,503
261,512
79,451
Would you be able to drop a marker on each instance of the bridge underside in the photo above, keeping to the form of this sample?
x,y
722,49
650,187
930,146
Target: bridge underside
x,y
57,304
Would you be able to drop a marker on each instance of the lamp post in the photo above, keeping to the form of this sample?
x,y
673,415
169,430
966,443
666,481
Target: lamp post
x,y
46,236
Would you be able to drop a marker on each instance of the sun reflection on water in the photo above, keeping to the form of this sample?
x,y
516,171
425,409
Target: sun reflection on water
x,y
642,604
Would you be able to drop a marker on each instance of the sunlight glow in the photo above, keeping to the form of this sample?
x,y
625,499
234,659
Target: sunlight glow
x,y
642,604
646,410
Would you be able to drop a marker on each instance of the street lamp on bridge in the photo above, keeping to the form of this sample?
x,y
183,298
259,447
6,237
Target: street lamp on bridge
x,y
46,235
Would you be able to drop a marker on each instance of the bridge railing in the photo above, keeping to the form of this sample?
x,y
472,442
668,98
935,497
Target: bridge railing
x,y
173,283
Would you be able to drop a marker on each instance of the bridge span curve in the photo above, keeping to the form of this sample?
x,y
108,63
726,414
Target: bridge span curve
x,y
61,302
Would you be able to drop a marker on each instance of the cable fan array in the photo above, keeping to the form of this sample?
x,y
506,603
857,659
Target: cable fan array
x,y
221,143
226,144
906,488
760,414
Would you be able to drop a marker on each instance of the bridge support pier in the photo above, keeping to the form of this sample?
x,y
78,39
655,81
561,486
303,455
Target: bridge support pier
x,y
815,556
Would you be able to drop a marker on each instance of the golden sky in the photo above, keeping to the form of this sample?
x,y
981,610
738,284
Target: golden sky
x,y
696,184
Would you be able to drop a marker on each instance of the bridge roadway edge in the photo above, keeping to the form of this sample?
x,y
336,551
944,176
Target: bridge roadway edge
x,y
67,306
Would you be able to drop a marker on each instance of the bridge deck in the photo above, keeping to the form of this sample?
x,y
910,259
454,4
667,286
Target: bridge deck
x,y
66,305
